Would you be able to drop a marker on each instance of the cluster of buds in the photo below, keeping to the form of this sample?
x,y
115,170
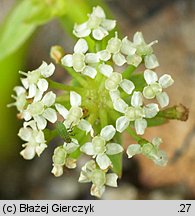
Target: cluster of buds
x,y
104,99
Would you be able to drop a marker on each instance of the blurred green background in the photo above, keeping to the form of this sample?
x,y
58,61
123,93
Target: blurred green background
x,y
28,30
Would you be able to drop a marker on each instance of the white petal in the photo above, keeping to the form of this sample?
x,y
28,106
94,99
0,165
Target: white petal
x,y
156,141
46,70
120,105
151,110
71,163
114,95
50,115
140,126
127,86
42,85
57,170
98,12
97,191
119,59
27,116
78,62
38,96
25,83
87,148
108,24
122,123
75,99
49,99
151,61
81,46
19,90
72,146
150,76
39,137
41,122
137,99
85,126
127,47
113,148
90,72
25,134
67,60
166,80
163,99
106,70
99,33
111,179
108,132
91,58
134,60
39,149
62,110
103,161
138,38
81,30
32,91
133,149
114,44
28,153
104,55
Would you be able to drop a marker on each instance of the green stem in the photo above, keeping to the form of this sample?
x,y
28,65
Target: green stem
x,y
77,77
60,86
128,71
137,138
133,134
103,117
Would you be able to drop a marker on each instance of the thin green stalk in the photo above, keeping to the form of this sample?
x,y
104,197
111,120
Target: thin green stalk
x,y
77,77
60,86
133,134
128,71
137,138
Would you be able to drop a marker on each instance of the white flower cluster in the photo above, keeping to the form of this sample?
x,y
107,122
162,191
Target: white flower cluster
x,y
37,105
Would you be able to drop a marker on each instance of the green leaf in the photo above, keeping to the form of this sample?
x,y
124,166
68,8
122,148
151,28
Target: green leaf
x,y
44,10
15,30
23,20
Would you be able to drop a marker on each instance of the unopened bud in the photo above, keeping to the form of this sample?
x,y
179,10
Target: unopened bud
x,y
56,53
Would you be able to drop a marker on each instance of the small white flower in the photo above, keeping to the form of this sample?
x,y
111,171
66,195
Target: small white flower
x,y
91,173
97,24
73,116
114,48
150,150
99,147
155,87
145,50
20,98
80,61
61,158
136,112
41,111
35,140
36,82
115,80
